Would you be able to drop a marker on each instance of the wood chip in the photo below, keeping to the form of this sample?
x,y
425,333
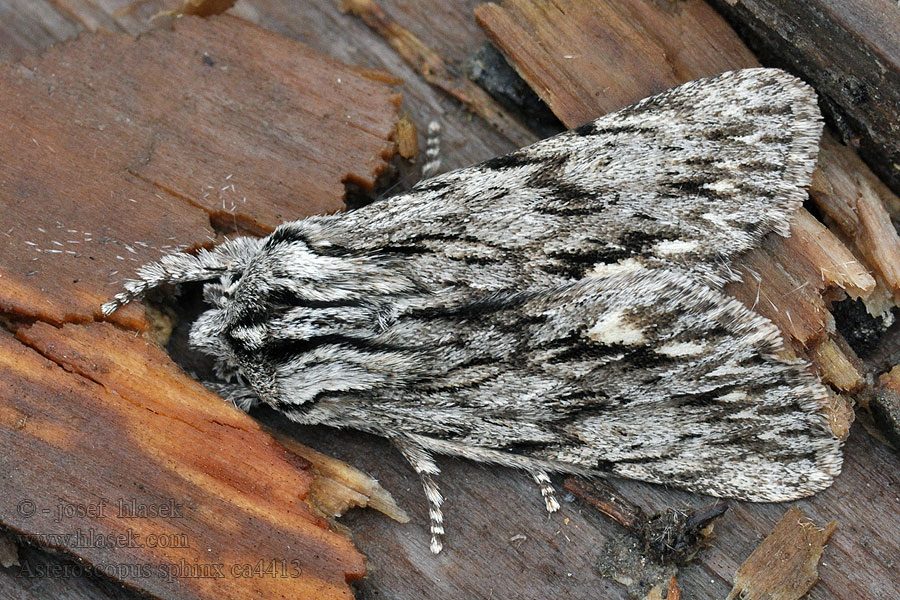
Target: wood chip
x,y
339,486
407,138
784,565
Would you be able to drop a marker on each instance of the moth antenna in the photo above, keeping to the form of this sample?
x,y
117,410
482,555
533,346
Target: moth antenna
x,y
432,150
423,464
230,257
547,490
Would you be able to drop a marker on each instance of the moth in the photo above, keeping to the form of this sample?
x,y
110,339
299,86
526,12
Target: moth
x,y
556,309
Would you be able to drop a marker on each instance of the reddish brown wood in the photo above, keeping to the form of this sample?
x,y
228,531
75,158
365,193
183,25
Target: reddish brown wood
x,y
117,150
500,541
589,58
784,565
434,68
126,428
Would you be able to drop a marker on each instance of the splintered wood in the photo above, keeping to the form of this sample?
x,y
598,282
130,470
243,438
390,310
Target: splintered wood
x,y
785,565
103,437
435,69
789,280
339,487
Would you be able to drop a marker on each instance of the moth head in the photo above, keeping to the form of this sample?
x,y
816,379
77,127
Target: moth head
x,y
207,336
211,333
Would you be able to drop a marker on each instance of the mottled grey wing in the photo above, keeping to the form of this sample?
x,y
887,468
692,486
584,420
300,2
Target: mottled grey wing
x,y
690,177
642,374
557,307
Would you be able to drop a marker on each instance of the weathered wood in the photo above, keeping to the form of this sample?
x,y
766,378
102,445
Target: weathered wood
x,y
449,30
213,125
850,52
126,449
435,70
43,575
585,59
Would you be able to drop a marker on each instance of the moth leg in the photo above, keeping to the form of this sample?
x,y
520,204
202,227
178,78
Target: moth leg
x,y
547,490
242,396
432,151
230,257
423,464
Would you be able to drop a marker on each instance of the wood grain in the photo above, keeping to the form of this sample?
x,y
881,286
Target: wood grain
x,y
118,150
124,448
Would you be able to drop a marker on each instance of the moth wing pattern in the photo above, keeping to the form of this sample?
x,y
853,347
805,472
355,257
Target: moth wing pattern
x,y
691,177
555,309
643,374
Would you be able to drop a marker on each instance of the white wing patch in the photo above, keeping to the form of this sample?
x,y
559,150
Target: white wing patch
x,y
614,328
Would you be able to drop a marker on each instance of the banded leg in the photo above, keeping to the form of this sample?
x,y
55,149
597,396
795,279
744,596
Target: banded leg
x,y
547,490
230,257
432,150
423,464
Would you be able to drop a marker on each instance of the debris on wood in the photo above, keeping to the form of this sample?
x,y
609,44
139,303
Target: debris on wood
x,y
435,69
673,592
849,52
646,560
407,138
669,537
338,486
211,125
785,565
117,441
622,561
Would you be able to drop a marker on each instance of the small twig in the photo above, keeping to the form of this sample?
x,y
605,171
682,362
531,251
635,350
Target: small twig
x,y
671,536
